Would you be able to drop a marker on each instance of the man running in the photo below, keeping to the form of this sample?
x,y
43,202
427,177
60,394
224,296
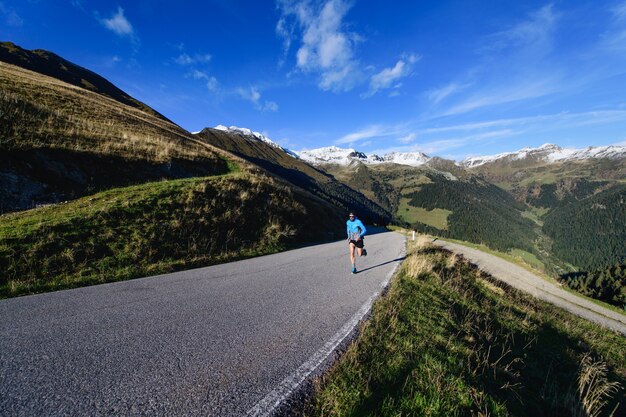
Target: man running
x,y
356,230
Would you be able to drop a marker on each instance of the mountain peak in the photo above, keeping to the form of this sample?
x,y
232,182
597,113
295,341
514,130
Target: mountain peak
x,y
346,156
549,152
251,135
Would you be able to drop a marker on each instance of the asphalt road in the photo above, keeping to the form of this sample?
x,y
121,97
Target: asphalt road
x,y
526,281
226,340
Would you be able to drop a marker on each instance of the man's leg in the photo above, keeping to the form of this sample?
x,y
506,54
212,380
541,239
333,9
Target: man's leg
x,y
352,260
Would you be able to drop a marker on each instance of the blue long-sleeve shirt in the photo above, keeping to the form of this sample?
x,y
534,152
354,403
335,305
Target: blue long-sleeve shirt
x,y
353,227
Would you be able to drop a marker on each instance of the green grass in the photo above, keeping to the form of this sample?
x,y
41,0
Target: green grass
x,y
535,215
447,340
437,218
528,258
154,228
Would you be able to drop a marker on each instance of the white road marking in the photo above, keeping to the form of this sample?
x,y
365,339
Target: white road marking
x,y
275,398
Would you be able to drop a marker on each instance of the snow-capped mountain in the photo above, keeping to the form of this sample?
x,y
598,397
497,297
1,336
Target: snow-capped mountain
x,y
345,156
249,134
549,153
406,158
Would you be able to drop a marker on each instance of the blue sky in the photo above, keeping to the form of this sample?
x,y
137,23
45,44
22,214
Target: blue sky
x,y
448,78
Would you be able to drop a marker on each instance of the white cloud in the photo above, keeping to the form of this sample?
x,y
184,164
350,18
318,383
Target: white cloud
x,y
270,106
186,59
373,131
326,47
619,11
533,36
408,138
543,121
614,39
11,18
211,82
254,96
119,24
366,133
517,65
388,77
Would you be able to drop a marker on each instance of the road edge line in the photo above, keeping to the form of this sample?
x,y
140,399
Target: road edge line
x,y
269,404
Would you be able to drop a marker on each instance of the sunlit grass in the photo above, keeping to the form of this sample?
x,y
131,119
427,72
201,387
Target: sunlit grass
x,y
447,340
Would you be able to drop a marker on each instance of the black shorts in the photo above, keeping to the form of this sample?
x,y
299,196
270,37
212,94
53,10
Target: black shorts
x,y
358,243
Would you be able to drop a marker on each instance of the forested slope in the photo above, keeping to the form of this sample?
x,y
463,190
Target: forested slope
x,y
590,233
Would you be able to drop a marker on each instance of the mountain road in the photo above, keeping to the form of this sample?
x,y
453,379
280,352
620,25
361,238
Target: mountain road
x,y
226,340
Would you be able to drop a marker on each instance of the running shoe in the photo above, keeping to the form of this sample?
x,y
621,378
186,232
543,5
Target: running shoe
x,y
354,270
364,252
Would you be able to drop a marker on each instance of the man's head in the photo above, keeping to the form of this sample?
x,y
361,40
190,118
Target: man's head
x,y
352,216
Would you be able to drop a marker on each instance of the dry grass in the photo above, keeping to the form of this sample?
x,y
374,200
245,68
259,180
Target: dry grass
x,y
39,111
594,388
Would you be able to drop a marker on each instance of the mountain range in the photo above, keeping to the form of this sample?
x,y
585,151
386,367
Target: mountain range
x,y
344,156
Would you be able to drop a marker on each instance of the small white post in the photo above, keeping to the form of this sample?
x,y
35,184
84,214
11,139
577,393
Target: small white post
x,y
413,234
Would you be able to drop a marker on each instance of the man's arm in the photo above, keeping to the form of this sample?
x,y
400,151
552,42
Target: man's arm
x,y
363,229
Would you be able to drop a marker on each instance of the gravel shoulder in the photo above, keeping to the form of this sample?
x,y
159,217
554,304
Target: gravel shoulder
x,y
528,282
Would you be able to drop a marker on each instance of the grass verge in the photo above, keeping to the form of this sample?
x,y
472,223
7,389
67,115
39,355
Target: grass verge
x,y
154,228
449,340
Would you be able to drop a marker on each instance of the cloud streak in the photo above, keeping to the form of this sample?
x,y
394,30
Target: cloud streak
x,y
506,94
186,59
10,16
439,94
369,132
390,77
517,65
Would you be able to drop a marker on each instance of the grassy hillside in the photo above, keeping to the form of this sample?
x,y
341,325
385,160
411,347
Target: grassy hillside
x,y
298,173
447,340
157,227
59,141
145,196
50,64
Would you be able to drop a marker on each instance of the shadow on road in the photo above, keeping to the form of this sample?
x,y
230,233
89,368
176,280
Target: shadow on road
x,y
384,263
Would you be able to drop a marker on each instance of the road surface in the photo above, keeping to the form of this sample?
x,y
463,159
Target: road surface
x,y
526,281
226,340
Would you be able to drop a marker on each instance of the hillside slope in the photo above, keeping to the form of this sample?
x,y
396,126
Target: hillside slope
x,y
50,64
158,227
297,172
59,141
146,196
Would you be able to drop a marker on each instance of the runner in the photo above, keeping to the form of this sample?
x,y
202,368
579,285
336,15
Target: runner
x,y
356,230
